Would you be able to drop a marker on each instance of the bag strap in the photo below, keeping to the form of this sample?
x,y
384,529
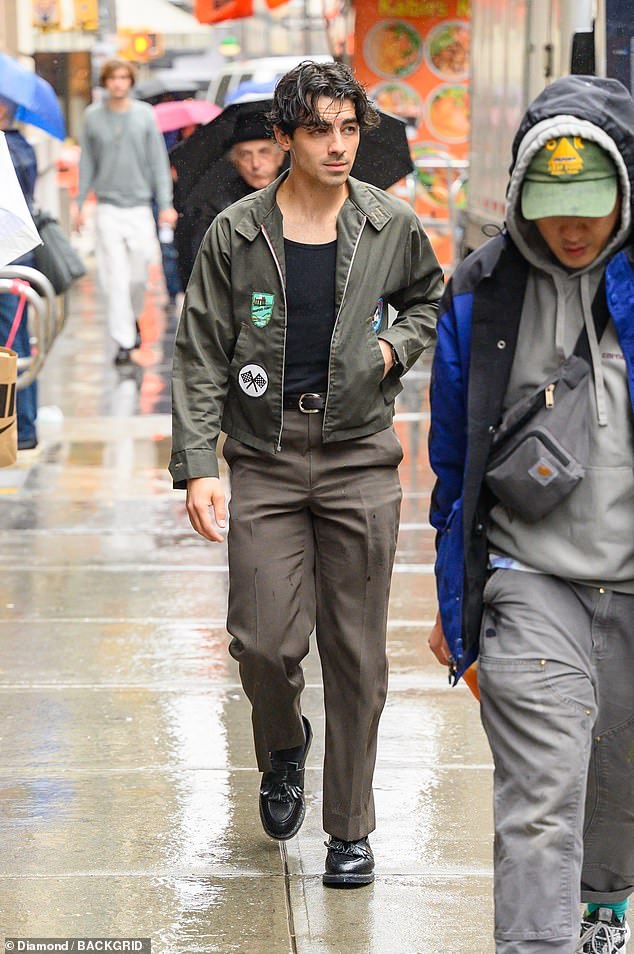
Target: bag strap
x,y
600,317
17,289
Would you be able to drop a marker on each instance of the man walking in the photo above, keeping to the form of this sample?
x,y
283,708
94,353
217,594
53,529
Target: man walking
x,y
548,594
285,344
124,161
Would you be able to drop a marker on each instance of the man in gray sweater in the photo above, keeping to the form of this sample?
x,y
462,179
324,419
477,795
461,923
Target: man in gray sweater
x,y
124,162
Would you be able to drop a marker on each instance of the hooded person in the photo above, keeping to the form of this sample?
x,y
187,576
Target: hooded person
x,y
547,604
252,161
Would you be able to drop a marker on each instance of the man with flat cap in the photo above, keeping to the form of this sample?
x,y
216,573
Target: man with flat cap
x,y
253,160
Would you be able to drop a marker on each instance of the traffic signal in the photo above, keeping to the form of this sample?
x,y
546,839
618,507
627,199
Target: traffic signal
x,y
141,46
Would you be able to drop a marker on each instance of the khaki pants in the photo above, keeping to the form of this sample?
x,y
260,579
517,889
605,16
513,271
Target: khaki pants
x,y
312,537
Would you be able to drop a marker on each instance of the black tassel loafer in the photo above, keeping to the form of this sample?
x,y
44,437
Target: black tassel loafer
x,y
349,864
282,804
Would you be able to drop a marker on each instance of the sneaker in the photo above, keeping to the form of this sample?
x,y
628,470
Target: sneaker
x,y
282,803
603,933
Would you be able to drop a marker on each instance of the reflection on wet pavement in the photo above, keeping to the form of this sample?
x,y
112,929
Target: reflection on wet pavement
x,y
128,793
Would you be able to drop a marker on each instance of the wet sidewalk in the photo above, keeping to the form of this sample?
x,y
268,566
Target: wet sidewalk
x,y
128,793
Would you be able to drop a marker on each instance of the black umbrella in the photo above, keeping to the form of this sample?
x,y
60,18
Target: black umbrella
x,y
383,157
163,85
200,161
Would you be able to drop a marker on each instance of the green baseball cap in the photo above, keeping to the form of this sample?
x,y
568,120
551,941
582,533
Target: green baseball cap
x,y
569,176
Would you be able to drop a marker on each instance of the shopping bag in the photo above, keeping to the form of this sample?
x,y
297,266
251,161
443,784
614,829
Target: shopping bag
x,y
8,423
56,258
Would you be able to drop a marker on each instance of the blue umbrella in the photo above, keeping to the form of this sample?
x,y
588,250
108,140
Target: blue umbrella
x,y
36,99
248,91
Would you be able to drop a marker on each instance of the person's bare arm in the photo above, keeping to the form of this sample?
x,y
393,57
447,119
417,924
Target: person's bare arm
x,y
168,217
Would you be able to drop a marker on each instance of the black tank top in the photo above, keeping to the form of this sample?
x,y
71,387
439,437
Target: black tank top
x,y
310,301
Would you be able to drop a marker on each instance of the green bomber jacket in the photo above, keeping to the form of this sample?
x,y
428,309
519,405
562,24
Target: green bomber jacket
x,y
228,370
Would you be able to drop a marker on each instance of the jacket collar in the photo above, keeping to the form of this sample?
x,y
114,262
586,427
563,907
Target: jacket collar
x,y
261,206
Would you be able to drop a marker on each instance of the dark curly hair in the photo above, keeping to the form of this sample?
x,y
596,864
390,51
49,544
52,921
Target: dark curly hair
x,y
296,94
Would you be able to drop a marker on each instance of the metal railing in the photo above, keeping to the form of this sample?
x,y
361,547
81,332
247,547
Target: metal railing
x,y
45,316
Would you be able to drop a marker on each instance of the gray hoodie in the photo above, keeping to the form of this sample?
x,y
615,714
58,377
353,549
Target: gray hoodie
x,y
584,538
123,157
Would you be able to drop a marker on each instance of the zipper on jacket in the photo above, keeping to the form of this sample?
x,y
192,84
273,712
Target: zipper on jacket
x,y
343,295
279,272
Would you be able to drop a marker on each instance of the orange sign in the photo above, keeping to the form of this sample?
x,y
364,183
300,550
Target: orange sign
x,y
413,56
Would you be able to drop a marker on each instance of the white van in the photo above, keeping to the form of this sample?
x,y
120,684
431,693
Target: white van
x,y
266,70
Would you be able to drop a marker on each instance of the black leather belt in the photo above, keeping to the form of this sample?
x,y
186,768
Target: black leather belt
x,y
308,403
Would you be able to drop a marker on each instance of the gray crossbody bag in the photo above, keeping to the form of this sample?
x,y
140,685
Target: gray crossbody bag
x,y
541,445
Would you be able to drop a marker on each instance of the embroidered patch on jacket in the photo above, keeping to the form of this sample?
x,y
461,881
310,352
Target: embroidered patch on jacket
x,y
262,308
377,317
253,380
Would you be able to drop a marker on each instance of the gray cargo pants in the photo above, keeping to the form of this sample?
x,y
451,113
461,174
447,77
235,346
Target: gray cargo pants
x,y
312,538
555,672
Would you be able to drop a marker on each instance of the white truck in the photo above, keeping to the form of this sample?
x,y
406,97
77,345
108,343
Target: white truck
x,y
518,46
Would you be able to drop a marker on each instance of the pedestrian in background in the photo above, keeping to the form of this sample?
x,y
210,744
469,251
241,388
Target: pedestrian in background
x,y
25,165
124,161
285,344
549,598
166,234
253,161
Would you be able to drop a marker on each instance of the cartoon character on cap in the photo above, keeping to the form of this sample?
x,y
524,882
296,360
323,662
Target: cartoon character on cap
x,y
569,176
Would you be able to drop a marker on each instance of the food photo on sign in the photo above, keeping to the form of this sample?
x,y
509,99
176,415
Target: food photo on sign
x,y
417,67
393,48
447,50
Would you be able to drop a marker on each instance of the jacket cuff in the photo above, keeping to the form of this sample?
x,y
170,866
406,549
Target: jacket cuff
x,y
188,464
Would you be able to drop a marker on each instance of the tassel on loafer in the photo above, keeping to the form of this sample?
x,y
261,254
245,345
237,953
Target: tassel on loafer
x,y
282,803
349,864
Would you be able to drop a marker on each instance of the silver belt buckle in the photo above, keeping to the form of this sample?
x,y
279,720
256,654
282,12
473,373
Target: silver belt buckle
x,y
307,410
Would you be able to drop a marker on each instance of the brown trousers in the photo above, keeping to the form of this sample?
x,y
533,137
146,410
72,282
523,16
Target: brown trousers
x,y
312,538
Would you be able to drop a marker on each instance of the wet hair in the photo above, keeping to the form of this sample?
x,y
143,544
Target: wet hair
x,y
296,95
111,66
